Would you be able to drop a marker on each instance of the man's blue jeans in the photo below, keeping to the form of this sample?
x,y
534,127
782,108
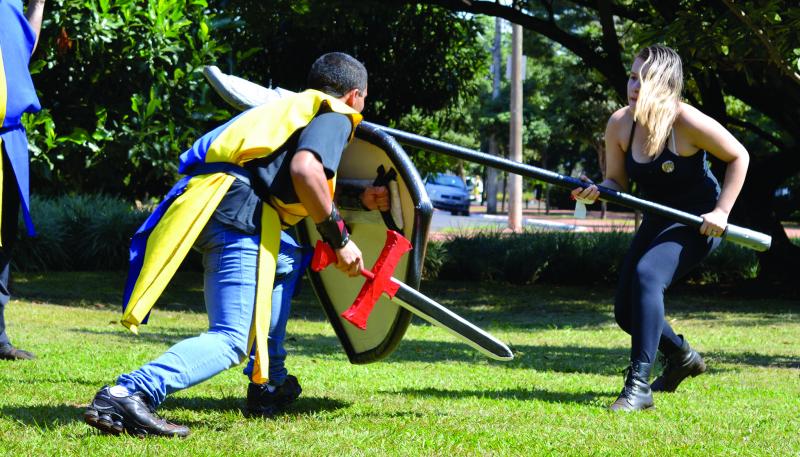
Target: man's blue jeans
x,y
230,259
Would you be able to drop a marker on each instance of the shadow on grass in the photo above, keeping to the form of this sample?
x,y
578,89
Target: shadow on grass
x,y
524,306
483,300
492,305
10,378
313,405
582,398
144,336
103,290
762,320
226,404
566,359
563,359
44,417
750,359
302,406
52,416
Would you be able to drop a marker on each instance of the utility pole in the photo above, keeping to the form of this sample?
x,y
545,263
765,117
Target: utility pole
x,y
515,137
491,173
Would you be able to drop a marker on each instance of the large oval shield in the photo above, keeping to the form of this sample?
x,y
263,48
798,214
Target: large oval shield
x,y
387,324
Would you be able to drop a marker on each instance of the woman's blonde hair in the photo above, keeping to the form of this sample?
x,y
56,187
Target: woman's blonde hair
x,y
661,78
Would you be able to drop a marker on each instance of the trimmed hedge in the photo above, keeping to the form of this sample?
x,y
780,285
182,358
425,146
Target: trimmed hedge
x,y
92,232
562,258
78,232
82,233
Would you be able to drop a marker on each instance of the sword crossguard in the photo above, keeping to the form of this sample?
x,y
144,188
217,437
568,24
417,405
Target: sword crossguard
x,y
379,278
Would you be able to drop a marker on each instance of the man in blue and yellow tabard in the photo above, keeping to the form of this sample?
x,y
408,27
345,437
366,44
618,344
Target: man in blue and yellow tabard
x,y
18,37
264,170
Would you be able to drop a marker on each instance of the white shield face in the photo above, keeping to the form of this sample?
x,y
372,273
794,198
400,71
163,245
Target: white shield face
x,y
336,292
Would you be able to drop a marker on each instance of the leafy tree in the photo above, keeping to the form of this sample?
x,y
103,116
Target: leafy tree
x,y
565,106
122,92
424,62
419,57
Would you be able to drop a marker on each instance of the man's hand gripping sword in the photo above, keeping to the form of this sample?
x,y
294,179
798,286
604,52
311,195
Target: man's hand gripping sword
x,y
379,280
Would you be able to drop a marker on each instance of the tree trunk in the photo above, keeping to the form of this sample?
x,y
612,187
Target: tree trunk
x,y
600,147
505,192
491,173
755,209
491,180
547,199
515,131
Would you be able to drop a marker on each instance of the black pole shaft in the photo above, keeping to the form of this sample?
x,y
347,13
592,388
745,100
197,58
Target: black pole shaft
x,y
742,236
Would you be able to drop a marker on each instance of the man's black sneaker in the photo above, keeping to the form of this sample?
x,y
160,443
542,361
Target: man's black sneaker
x,y
9,352
132,414
262,402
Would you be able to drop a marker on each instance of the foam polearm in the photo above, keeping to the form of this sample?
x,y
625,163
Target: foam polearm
x,y
243,94
742,236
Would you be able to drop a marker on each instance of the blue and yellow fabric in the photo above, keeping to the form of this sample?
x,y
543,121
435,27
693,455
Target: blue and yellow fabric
x,y
17,96
162,242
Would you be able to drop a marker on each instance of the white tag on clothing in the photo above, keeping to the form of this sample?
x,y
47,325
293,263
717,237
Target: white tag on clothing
x,y
580,210
119,391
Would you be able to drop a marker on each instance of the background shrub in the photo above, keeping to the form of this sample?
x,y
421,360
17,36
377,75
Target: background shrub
x,y
123,94
48,251
468,257
78,232
435,256
726,265
93,232
563,258
83,233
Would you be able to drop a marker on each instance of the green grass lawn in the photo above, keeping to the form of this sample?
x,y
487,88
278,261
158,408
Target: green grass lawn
x,y
433,396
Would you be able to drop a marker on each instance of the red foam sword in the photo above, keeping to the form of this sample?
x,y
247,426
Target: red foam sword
x,y
379,280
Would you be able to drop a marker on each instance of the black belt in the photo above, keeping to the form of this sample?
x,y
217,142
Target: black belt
x,y
240,173
10,128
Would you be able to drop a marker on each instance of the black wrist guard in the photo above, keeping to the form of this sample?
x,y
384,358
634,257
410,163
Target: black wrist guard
x,y
333,231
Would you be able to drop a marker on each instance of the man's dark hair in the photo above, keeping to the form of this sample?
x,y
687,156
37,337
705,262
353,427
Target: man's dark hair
x,y
336,74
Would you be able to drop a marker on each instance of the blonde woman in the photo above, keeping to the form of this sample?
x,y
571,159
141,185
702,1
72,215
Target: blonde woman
x,y
661,143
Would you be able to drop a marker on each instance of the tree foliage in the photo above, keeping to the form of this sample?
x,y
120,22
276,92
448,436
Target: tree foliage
x,y
123,94
564,111
418,56
424,62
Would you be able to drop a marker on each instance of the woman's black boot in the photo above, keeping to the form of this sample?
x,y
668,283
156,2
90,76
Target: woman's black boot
x,y
677,367
636,395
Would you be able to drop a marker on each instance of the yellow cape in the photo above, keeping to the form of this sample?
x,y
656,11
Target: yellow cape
x,y
254,134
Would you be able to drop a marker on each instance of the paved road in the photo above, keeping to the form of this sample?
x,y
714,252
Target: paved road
x,y
562,220
444,221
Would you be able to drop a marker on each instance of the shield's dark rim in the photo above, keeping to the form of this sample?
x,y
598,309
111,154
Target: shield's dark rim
x,y
423,212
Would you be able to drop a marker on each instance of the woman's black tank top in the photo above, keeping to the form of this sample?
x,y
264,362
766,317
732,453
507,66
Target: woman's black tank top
x,y
684,183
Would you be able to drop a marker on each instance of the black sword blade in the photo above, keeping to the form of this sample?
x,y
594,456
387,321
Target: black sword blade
x,y
459,327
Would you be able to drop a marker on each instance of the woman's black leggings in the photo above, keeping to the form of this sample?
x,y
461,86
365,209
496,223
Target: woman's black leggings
x,y
660,252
